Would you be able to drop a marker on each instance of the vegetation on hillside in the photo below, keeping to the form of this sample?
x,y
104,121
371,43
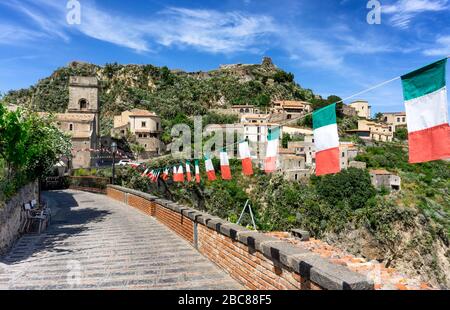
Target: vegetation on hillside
x,y
29,147
409,229
172,95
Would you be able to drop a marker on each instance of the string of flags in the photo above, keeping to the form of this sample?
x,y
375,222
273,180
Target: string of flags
x,y
425,97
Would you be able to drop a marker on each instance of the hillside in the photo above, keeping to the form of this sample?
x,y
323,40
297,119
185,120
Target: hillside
x,y
170,93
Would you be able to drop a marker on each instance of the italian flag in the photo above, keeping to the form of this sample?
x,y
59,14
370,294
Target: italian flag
x,y
197,172
175,174
326,140
165,175
211,173
244,153
273,140
144,173
225,166
425,94
180,174
188,171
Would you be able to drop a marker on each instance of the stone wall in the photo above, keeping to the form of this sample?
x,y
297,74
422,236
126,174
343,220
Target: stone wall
x,y
12,216
254,259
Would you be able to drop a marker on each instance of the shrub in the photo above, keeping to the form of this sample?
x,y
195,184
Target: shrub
x,y
351,187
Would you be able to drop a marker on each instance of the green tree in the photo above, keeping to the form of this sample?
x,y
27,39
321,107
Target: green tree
x,y
401,133
351,187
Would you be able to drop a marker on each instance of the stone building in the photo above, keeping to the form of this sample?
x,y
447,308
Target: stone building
x,y
293,166
145,128
371,130
386,179
305,148
395,119
291,109
255,118
362,107
81,120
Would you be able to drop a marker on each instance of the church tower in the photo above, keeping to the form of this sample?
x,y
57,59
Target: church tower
x,y
83,97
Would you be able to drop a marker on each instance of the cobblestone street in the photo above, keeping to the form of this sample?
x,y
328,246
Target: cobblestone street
x,y
94,242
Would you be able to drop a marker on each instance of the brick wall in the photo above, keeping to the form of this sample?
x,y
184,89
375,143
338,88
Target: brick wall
x,y
257,261
115,194
250,268
144,205
180,224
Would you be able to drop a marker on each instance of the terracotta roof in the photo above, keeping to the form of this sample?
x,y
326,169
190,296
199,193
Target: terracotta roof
x,y
292,103
380,172
140,112
395,113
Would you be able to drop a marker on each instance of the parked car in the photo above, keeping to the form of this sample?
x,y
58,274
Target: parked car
x,y
123,162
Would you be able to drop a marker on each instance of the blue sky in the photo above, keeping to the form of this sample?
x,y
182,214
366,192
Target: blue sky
x,y
327,44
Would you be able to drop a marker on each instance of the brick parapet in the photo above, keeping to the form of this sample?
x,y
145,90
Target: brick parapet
x,y
256,260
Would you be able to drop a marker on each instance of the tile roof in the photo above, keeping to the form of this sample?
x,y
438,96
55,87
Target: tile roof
x,y
141,112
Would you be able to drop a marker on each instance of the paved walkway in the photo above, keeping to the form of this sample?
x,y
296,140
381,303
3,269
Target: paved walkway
x,y
97,243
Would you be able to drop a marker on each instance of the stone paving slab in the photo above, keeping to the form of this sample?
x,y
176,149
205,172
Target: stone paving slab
x,y
97,243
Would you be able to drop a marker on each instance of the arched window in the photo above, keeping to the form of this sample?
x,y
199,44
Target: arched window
x,y
83,104
71,127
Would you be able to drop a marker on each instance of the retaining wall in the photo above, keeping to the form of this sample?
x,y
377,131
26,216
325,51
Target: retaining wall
x,y
12,215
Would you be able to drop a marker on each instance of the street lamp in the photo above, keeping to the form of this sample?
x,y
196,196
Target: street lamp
x,y
114,150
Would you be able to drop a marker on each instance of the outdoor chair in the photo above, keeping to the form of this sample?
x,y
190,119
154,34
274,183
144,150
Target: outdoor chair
x,y
34,213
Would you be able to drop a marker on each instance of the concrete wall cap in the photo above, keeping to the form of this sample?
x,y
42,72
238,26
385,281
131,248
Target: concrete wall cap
x,y
215,223
232,230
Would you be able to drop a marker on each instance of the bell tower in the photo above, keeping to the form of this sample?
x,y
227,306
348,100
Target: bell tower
x,y
83,98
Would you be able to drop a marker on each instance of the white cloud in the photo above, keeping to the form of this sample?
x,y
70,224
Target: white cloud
x,y
403,11
442,49
206,30
211,31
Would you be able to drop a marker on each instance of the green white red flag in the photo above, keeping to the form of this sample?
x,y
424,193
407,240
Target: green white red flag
x,y
273,141
165,175
326,140
225,166
188,171
244,154
180,173
425,94
210,172
197,172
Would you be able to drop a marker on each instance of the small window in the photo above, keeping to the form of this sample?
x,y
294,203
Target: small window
x,y
71,127
140,135
157,126
403,119
398,119
343,154
83,104
144,124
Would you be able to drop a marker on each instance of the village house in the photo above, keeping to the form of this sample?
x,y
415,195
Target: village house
x,y
362,107
81,120
291,109
371,130
292,165
395,119
385,179
245,109
348,151
144,126
305,148
255,118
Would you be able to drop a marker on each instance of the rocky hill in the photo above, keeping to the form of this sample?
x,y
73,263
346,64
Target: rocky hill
x,y
167,92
